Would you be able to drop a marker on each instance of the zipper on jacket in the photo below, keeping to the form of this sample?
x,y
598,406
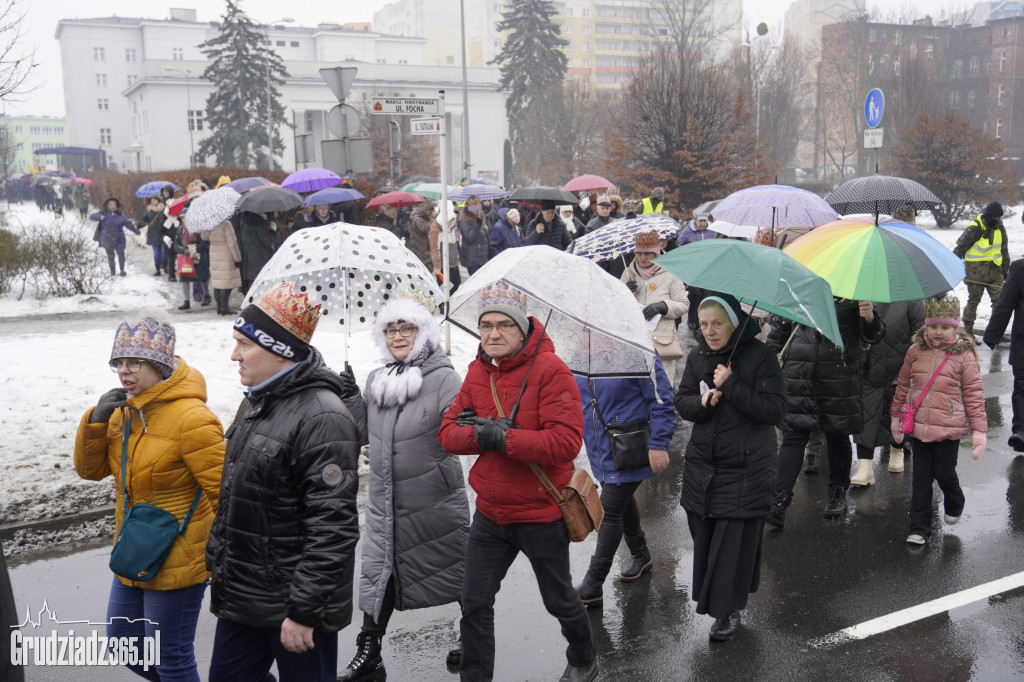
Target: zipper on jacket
x,y
593,416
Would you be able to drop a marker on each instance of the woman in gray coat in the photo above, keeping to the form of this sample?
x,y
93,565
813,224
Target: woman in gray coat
x,y
417,511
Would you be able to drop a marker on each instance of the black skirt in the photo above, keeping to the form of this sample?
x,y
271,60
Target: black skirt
x,y
726,562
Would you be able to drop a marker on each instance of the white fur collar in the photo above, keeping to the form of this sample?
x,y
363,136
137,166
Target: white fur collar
x,y
401,382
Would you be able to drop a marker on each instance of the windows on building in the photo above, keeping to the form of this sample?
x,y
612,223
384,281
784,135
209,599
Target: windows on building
x,y
279,43
586,63
308,120
103,104
195,119
586,29
293,43
896,66
971,98
972,66
131,79
999,94
178,54
567,29
1002,62
99,54
999,127
129,54
586,47
105,136
101,80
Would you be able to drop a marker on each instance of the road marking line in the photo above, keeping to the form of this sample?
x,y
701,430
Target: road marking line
x,y
897,619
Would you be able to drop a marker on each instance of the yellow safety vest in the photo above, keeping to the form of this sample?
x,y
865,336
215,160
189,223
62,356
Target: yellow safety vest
x,y
984,250
648,208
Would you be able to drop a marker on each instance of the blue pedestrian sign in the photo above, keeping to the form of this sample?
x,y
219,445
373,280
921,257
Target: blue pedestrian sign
x,y
874,105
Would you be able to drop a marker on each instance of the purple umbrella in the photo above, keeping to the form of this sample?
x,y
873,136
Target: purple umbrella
x,y
479,191
311,179
777,206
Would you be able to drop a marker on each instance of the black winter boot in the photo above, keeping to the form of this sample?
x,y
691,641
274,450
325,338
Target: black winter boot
x,y
777,511
367,664
640,562
186,305
590,592
836,505
454,659
206,300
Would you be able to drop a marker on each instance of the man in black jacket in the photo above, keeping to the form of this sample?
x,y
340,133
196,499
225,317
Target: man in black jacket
x,y
1011,302
547,229
282,544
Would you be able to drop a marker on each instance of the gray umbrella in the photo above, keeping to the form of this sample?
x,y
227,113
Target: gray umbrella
x,y
267,199
880,194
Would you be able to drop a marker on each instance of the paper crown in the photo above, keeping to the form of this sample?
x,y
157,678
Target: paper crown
x,y
423,298
147,339
942,311
646,240
501,294
290,310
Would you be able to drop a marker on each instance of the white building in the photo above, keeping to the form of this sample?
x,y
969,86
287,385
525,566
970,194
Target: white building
x,y
134,88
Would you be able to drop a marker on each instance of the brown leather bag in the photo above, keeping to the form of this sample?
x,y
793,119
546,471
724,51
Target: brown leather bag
x,y
578,500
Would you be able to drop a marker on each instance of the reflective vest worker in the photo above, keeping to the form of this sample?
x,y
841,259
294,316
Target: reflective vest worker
x,y
983,246
653,203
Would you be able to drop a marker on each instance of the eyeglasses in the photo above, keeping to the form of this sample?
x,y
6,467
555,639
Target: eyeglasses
x,y
132,364
406,331
503,327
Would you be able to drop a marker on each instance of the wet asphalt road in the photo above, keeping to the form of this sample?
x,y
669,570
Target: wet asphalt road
x,y
818,577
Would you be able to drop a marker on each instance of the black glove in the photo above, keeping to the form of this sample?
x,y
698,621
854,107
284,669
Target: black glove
x,y
108,402
238,264
349,387
659,308
466,418
490,434
633,286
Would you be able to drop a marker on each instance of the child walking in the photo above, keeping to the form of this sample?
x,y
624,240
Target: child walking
x,y
941,378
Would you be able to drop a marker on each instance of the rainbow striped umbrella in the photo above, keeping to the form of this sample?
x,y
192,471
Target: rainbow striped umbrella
x,y
888,262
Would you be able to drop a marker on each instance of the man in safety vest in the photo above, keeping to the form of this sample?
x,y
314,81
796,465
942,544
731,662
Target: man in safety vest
x,y
654,203
983,246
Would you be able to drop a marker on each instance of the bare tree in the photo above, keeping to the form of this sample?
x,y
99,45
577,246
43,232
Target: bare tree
x,y
562,134
16,59
688,30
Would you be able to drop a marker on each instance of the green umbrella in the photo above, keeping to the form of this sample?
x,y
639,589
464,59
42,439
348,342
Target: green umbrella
x,y
758,275
409,186
432,190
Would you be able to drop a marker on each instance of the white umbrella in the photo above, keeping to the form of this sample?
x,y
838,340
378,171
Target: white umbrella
x,y
350,270
210,209
592,318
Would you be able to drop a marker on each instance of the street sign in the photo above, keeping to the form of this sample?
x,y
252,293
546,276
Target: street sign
x,y
339,79
874,106
343,120
347,157
873,138
426,126
404,106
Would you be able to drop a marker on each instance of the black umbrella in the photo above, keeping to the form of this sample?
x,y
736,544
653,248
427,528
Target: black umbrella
x,y
267,199
880,194
245,184
533,195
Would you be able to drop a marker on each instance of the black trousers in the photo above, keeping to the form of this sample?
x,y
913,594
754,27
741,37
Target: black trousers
x,y
934,462
1017,399
387,607
791,458
621,517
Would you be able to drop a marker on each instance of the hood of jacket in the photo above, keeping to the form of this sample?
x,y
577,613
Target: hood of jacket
x,y
401,381
184,382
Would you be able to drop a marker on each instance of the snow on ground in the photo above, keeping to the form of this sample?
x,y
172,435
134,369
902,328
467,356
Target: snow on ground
x,y
55,367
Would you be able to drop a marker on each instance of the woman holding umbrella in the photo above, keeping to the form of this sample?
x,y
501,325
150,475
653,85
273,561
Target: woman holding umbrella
x,y
417,511
734,393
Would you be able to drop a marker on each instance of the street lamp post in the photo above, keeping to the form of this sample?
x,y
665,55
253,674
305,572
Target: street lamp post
x,y
187,73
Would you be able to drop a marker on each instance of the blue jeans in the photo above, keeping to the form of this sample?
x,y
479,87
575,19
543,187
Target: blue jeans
x,y
491,550
173,612
242,653
159,255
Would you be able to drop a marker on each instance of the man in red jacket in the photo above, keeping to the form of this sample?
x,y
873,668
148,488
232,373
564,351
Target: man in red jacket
x,y
514,513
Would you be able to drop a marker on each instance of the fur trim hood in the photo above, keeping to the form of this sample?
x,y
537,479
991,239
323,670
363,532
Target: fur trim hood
x,y
964,343
401,382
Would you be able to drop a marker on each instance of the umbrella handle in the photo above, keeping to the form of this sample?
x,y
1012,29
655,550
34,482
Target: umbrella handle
x,y
740,332
515,408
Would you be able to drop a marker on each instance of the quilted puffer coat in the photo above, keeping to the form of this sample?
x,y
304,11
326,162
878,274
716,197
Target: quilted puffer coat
x,y
176,445
551,434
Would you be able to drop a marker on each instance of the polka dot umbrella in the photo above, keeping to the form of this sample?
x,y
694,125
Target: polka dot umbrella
x,y
350,270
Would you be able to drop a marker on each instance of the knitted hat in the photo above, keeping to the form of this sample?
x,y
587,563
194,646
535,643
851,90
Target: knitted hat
x,y
993,210
223,180
502,298
658,193
942,311
603,200
281,321
647,241
512,216
147,339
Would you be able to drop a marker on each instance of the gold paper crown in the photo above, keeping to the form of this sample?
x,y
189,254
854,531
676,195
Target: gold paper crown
x,y
147,339
501,294
947,308
290,310
646,240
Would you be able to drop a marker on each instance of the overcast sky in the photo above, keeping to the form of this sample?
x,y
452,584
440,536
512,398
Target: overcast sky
x,y
41,18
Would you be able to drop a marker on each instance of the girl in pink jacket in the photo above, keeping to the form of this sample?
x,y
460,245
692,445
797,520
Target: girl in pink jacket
x,y
953,406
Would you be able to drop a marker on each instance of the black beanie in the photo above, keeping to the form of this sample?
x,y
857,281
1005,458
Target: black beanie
x,y
269,335
993,210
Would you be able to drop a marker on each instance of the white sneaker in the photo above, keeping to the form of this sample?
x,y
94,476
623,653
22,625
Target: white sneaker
x,y
915,539
951,520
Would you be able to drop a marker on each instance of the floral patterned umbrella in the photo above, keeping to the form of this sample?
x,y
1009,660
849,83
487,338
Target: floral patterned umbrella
x,y
596,325
211,208
616,239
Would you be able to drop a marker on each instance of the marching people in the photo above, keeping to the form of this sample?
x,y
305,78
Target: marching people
x,y
660,293
507,233
258,239
155,436
388,218
985,250
573,225
418,241
281,550
823,393
475,248
882,368
225,261
547,229
696,230
514,512
1011,303
112,224
603,217
621,402
941,379
734,393
417,511
154,221
321,215
81,197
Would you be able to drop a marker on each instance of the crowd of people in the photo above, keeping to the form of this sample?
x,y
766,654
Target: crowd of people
x,y
269,503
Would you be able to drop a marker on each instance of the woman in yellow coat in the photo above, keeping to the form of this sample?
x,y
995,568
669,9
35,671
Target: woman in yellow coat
x,y
175,447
